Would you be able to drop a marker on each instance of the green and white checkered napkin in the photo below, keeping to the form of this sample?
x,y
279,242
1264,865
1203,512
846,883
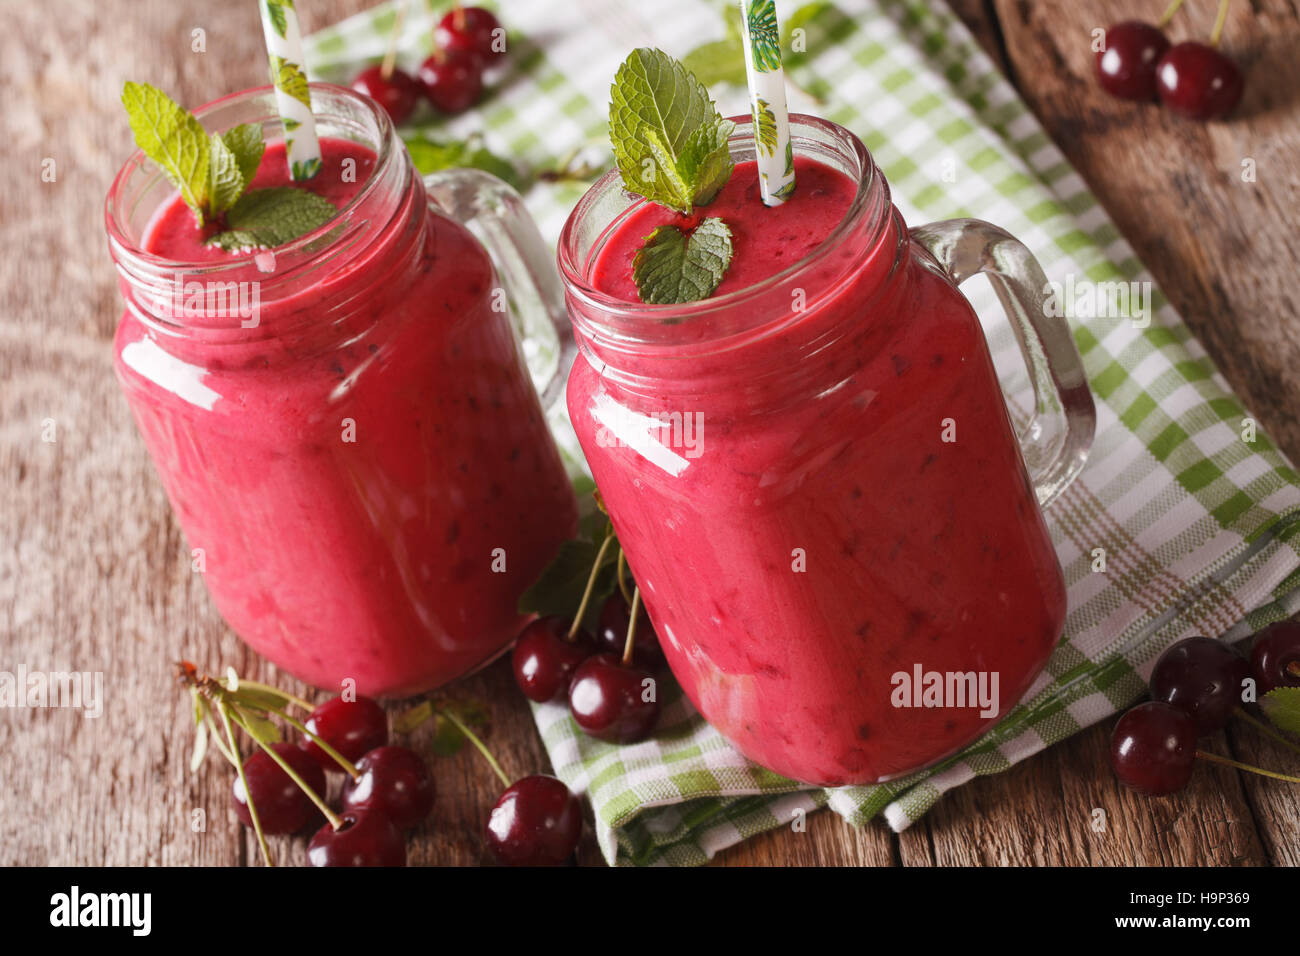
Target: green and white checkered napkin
x,y
1197,521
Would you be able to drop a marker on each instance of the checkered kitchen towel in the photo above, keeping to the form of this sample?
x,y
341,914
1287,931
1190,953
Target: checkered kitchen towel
x,y
1198,522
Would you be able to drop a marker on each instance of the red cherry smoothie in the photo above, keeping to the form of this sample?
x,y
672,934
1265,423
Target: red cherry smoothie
x,y
367,472
825,537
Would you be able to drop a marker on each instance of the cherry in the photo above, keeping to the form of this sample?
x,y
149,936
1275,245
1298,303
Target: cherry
x,y
453,80
1202,678
281,805
1126,65
544,658
397,93
470,30
1275,658
366,838
536,822
1198,81
607,701
353,728
394,781
611,632
1153,748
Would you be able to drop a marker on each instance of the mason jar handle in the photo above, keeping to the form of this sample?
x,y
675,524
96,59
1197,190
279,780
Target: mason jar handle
x,y
495,213
1056,440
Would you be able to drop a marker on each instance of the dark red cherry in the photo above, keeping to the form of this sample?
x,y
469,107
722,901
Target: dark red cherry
x,y
612,702
1198,81
611,632
366,838
544,658
1153,748
536,822
396,782
281,805
1201,677
1275,658
397,93
453,81
1126,66
353,728
471,30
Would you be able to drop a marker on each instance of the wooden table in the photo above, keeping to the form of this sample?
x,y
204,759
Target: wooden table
x,y
94,573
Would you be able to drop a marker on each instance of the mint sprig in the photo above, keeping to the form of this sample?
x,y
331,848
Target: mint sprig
x,y
672,267
670,142
212,172
265,218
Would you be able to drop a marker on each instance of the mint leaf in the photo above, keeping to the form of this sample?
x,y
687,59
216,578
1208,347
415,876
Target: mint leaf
x,y
1282,706
271,217
173,139
431,156
706,160
245,141
670,267
655,107
225,181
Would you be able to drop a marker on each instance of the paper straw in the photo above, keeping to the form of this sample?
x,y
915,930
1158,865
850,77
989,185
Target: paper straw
x,y
762,43
292,97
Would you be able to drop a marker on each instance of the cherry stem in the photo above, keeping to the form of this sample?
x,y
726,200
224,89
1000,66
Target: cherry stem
x,y
474,739
390,56
1293,669
258,685
622,576
1229,762
1266,730
1219,21
631,628
334,819
224,711
591,583
1169,13
348,766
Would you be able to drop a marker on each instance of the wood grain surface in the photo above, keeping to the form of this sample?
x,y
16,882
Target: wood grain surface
x,y
95,575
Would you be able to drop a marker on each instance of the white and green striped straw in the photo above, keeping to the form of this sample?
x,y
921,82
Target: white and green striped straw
x,y
767,100
292,96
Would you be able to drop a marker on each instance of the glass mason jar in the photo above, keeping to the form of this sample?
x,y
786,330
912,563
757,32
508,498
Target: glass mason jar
x,y
345,427
818,486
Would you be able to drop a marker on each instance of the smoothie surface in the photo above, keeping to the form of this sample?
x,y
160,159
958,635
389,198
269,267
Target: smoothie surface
x,y
765,240
174,234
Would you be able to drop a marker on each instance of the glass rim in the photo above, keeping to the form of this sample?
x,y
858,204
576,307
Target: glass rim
x,y
573,272
123,246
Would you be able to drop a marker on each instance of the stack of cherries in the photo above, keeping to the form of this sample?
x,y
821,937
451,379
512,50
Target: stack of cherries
x,y
387,791
608,678
1197,684
468,41
1137,62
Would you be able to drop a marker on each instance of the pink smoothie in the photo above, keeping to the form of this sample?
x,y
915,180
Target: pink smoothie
x,y
367,472
825,538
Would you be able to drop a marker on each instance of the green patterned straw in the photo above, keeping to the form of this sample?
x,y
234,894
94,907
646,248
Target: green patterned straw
x,y
284,48
767,100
